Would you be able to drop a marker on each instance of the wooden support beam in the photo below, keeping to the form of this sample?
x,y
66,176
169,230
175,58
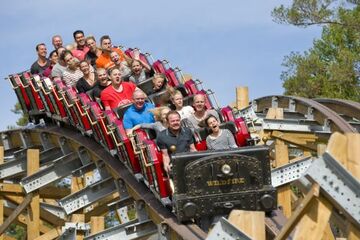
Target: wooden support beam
x,y
21,220
51,192
299,212
16,213
6,237
337,147
353,165
304,140
242,97
252,223
313,224
54,233
1,198
97,224
33,221
78,218
284,192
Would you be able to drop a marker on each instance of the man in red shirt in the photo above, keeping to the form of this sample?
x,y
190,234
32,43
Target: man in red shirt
x,y
104,60
118,93
81,49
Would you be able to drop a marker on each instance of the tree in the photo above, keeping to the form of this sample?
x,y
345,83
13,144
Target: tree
x,y
24,118
331,67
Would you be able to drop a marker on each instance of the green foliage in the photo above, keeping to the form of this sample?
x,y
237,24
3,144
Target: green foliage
x,y
23,119
16,232
331,67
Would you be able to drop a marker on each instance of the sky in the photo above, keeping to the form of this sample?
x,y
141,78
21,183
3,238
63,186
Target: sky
x,y
225,44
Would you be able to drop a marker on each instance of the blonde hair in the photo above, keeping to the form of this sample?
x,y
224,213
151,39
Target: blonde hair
x,y
157,112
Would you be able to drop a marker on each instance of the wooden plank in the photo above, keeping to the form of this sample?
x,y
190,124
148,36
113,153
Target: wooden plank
x,y
299,212
54,233
303,140
328,235
6,237
284,192
242,97
78,218
313,224
16,213
1,198
337,147
353,165
321,148
33,220
21,220
76,184
252,223
97,224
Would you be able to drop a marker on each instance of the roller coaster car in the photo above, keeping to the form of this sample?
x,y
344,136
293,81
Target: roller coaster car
x,y
50,91
159,67
215,182
122,142
31,92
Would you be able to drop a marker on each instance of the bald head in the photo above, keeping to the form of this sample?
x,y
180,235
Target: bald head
x,y
199,102
139,98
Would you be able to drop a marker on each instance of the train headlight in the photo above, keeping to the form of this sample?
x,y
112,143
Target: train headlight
x,y
226,169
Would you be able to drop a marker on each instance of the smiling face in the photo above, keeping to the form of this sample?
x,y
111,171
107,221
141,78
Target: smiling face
x,y
139,99
174,121
42,51
57,42
70,61
136,67
102,77
199,103
115,58
84,67
53,58
91,44
80,39
158,82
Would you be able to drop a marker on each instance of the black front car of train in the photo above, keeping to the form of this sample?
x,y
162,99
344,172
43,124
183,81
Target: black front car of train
x,y
213,183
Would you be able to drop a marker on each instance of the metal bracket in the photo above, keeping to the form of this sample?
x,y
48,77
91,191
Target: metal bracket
x,y
18,166
45,141
79,226
87,195
55,210
289,172
294,125
126,231
25,139
341,188
292,105
6,141
68,234
60,168
64,145
274,102
225,230
310,113
84,156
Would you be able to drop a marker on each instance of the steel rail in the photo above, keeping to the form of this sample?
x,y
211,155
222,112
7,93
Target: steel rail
x,y
158,213
311,109
349,110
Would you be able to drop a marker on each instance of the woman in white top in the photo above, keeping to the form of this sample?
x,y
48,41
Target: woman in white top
x,y
184,111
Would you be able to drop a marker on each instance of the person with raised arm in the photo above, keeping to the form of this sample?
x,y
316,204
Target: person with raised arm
x,y
119,92
104,60
94,52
